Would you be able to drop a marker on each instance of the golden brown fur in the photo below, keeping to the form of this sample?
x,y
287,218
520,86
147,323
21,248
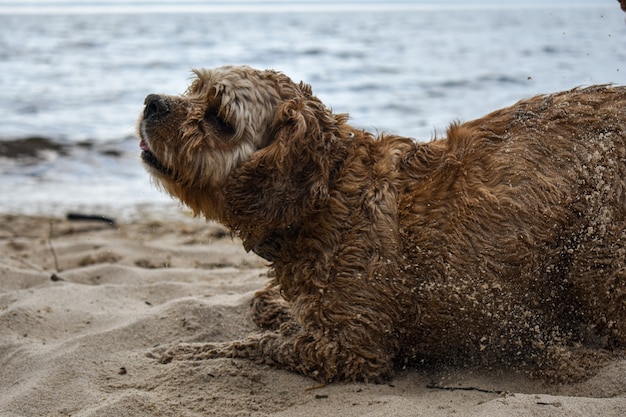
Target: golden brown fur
x,y
502,244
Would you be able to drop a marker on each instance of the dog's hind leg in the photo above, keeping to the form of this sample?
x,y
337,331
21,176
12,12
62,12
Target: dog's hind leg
x,y
598,277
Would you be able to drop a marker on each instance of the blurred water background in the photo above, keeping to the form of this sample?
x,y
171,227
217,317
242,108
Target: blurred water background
x,y
73,74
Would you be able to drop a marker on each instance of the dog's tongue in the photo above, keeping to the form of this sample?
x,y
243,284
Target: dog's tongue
x,y
144,146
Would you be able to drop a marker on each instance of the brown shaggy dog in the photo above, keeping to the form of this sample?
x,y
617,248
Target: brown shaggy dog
x,y
503,244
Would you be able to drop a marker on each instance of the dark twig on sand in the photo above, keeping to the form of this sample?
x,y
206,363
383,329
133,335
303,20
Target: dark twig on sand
x,y
487,391
54,255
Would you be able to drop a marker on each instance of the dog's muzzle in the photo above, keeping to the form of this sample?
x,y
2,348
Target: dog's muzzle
x,y
155,108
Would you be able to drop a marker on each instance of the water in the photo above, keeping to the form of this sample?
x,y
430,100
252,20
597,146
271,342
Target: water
x,y
76,73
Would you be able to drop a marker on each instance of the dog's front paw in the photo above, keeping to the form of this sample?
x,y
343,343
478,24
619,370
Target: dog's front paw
x,y
189,352
247,348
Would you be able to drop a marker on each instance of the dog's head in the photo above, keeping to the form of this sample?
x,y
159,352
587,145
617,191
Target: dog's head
x,y
242,146
198,138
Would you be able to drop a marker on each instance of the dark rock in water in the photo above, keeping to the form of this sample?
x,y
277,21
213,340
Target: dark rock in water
x,y
91,217
30,147
112,153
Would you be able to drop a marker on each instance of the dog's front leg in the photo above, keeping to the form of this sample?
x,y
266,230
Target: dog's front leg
x,y
324,355
269,309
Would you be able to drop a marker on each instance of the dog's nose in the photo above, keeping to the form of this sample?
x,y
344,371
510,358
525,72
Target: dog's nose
x,y
156,105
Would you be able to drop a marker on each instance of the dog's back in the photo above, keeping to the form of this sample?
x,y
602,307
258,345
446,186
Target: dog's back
x,y
515,227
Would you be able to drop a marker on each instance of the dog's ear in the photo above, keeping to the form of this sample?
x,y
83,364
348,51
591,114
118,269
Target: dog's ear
x,y
289,179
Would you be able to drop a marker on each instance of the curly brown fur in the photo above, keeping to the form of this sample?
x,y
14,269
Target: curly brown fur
x,y
269,309
502,244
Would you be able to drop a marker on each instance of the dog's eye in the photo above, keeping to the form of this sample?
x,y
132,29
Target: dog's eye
x,y
222,126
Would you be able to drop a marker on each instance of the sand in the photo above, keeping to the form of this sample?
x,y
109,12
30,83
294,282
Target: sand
x,y
83,304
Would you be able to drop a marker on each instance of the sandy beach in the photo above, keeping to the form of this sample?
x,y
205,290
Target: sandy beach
x,y
84,304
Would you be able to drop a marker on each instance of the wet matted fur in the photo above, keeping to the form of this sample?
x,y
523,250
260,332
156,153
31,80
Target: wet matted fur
x,y
502,244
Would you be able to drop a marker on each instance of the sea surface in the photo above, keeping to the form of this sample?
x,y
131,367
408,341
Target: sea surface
x,y
74,74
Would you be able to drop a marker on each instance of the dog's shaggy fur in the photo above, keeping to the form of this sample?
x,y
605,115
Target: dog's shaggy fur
x,y
503,244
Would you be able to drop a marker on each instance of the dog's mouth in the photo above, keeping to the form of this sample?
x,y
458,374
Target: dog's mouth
x,y
150,159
